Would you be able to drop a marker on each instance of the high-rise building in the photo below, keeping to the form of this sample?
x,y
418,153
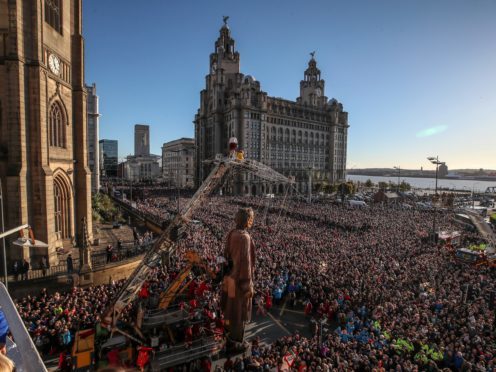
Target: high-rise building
x,y
178,162
302,138
43,167
108,158
141,140
142,165
93,130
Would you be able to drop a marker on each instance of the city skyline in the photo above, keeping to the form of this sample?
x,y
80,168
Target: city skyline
x,y
426,66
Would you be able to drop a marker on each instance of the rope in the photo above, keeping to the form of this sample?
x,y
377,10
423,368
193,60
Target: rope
x,y
278,220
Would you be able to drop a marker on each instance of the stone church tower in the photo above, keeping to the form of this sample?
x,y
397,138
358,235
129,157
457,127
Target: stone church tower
x,y
43,161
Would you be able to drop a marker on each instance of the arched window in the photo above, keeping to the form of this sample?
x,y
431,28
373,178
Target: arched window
x,y
62,207
57,201
53,14
57,126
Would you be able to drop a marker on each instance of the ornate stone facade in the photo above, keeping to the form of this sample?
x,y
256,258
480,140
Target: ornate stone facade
x,y
43,166
301,139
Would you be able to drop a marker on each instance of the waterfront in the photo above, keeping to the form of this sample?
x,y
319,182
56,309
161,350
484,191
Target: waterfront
x,y
429,183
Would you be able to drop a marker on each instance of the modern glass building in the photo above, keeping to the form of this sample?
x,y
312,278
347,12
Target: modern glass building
x,y
108,157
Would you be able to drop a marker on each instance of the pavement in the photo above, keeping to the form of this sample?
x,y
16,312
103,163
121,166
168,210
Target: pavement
x,y
279,322
105,233
481,225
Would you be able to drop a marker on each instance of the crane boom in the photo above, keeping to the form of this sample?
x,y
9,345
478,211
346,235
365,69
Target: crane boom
x,y
167,240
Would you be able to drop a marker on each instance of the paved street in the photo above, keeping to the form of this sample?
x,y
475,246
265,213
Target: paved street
x,y
281,321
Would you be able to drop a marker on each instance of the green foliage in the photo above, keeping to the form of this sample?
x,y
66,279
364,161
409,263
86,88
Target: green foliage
x,y
383,185
492,218
104,209
405,186
369,183
96,216
478,248
346,188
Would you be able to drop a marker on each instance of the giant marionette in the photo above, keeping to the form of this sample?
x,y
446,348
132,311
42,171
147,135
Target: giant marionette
x,y
238,287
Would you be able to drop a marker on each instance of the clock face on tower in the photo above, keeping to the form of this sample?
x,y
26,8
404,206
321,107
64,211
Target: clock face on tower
x,y
318,92
54,64
214,67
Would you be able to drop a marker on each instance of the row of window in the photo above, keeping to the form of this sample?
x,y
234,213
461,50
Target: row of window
x,y
293,133
310,116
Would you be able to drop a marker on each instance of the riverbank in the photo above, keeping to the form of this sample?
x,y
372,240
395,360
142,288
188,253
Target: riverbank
x,y
429,183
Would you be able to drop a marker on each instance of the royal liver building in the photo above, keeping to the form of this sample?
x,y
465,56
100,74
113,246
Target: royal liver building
x,y
305,139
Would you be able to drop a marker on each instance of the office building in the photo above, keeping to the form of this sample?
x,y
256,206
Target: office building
x,y
142,166
141,140
108,158
178,162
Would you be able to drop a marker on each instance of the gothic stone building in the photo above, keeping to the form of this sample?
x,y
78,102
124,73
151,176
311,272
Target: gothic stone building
x,y
301,139
43,157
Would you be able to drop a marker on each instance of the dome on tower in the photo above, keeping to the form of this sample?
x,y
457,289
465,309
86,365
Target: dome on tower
x,y
249,79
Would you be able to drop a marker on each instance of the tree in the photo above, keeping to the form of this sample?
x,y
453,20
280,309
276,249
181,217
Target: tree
x,y
383,185
493,219
369,183
346,188
104,209
405,186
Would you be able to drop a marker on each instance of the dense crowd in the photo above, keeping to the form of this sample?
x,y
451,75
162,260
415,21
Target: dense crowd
x,y
389,299
53,319
393,300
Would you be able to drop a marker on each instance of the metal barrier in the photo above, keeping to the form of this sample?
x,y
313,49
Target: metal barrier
x,y
98,261
160,317
177,355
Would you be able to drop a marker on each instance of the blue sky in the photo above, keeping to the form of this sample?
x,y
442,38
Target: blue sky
x,y
418,77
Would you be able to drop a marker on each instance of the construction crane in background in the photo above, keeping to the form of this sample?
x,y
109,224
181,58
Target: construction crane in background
x,y
165,244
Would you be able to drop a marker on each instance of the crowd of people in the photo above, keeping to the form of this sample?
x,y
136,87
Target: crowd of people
x,y
395,300
160,207
378,294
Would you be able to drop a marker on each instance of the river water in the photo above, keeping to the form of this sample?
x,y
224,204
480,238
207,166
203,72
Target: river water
x,y
430,183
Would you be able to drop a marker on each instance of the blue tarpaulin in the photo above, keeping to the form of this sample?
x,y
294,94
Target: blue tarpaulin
x,y
4,327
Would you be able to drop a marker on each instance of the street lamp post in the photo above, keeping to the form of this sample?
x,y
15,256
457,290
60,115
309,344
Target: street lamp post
x,y
177,189
3,235
310,184
473,196
435,160
399,174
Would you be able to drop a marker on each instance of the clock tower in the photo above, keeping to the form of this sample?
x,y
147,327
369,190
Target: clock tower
x,y
43,166
225,59
312,86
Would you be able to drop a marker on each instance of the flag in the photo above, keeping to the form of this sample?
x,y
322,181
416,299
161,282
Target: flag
x,y
288,360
